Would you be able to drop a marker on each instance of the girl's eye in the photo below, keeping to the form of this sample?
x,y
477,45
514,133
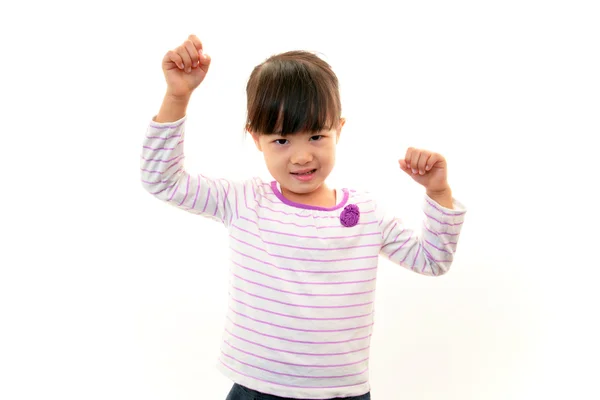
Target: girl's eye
x,y
281,141
316,137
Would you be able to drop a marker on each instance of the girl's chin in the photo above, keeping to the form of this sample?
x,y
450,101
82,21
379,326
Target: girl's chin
x,y
302,186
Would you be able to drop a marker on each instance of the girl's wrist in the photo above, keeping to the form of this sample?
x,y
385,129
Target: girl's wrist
x,y
442,197
177,98
173,108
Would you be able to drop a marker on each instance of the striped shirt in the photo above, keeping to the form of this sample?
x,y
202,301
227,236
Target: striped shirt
x,y
302,283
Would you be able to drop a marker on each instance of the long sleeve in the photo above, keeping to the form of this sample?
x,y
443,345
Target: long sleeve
x,y
431,252
164,176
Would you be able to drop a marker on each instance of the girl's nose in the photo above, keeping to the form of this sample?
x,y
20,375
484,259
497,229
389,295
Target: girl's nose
x,y
301,157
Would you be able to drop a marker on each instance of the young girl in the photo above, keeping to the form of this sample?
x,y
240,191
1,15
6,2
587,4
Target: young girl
x,y
303,255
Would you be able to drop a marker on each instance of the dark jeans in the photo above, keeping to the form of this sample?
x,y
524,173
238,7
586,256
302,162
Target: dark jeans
x,y
239,392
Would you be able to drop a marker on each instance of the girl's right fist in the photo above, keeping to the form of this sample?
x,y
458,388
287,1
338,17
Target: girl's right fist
x,y
185,67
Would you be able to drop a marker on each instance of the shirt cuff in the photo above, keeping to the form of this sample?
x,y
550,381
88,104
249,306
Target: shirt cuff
x,y
443,219
167,125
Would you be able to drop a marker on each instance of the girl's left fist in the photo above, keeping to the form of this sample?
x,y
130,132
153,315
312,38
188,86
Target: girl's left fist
x,y
426,168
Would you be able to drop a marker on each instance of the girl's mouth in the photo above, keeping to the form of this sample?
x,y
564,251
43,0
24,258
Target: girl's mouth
x,y
304,176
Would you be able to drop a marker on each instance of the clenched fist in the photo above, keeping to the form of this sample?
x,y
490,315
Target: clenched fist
x,y
185,67
426,168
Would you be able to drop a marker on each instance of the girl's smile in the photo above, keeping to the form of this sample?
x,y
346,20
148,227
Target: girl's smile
x,y
304,175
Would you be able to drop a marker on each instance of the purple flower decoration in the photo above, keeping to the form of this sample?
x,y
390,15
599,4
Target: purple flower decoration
x,y
350,215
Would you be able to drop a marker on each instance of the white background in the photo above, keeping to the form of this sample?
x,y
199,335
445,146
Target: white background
x,y
107,293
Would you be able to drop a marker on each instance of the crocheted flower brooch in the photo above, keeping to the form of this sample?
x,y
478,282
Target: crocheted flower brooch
x,y
350,215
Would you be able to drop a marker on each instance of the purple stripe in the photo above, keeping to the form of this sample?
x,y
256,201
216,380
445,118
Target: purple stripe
x,y
262,196
171,177
235,198
392,228
407,253
302,270
206,202
294,386
292,364
217,200
295,376
302,259
163,138
455,214
187,188
158,160
308,237
306,215
151,171
164,148
419,247
323,249
441,233
398,235
443,223
174,191
313,237
296,352
433,270
162,190
245,199
306,248
433,259
296,341
244,190
164,180
434,246
298,329
337,226
306,226
401,246
197,191
300,305
303,282
181,157
177,161
295,317
304,294
225,196
162,126
246,231
265,195
425,265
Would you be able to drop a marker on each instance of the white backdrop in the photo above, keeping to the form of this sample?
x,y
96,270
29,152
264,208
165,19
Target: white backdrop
x,y
107,293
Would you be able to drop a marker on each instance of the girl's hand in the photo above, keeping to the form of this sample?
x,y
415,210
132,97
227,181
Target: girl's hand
x,y
185,67
426,168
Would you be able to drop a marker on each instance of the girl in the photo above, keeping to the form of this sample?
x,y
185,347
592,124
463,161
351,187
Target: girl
x,y
303,255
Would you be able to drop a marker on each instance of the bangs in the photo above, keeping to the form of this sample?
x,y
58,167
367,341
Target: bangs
x,y
291,96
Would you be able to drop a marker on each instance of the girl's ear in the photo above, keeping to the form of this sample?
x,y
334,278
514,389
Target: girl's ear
x,y
339,129
256,137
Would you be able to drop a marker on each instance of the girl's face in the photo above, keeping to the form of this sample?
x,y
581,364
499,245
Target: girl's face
x,y
300,162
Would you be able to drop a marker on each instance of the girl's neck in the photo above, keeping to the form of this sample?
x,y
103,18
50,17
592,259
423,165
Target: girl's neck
x,y
322,197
